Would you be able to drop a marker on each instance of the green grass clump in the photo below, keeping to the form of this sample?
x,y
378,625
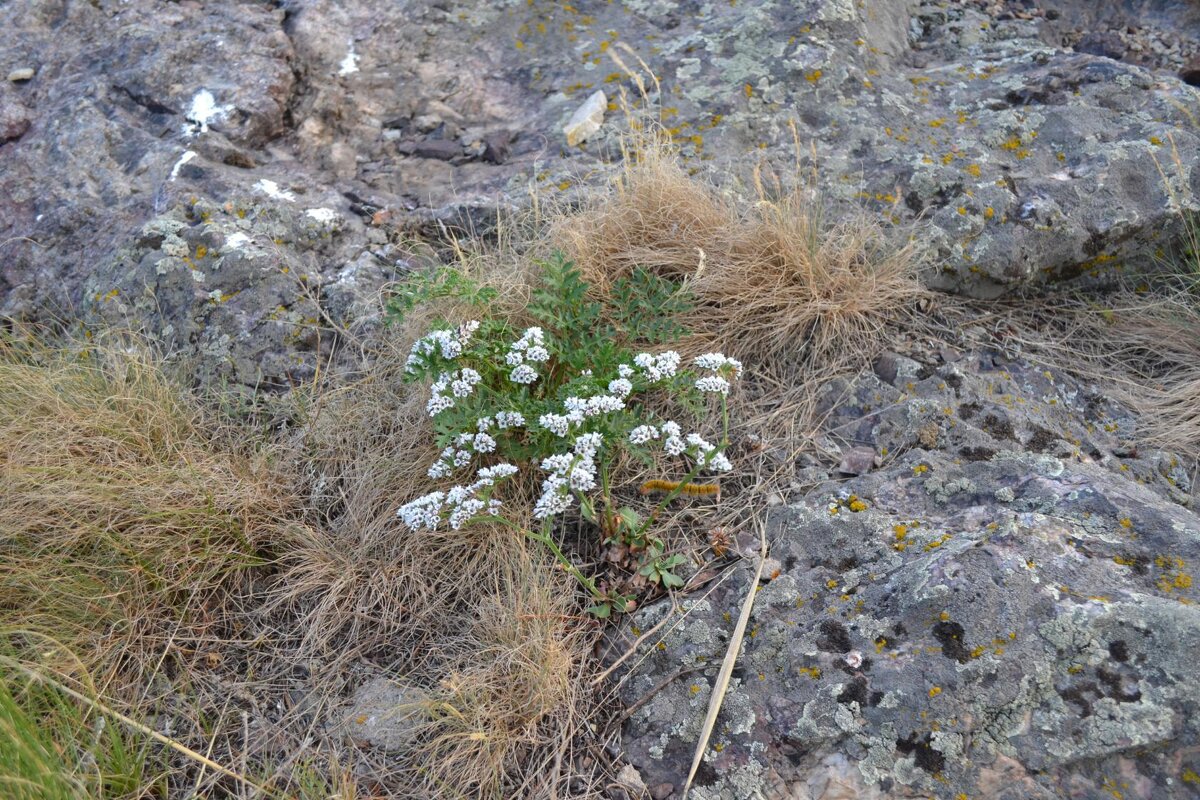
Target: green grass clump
x,y
52,747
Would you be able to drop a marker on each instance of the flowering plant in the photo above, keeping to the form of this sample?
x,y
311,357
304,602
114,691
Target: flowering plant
x,y
565,400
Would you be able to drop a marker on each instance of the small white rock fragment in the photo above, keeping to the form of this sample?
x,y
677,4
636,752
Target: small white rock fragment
x,y
271,189
183,159
21,74
587,119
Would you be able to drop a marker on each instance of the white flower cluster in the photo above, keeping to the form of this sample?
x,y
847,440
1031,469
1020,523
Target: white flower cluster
x,y
579,409
569,472
642,434
530,347
620,387
460,383
449,343
451,459
676,444
722,367
509,419
459,455
717,362
656,368
458,504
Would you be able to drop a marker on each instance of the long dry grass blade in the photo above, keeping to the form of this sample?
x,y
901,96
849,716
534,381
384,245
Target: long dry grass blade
x,y
731,654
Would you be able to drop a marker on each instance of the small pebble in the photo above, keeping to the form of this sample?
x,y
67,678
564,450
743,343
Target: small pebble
x,y
22,74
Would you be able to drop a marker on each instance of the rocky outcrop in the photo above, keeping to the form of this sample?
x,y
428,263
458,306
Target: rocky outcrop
x,y
1027,161
1006,608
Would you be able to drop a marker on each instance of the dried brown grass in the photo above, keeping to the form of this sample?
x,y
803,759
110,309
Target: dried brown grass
x,y
775,279
123,511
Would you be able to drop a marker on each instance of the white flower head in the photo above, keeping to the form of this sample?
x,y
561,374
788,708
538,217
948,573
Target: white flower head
x,y
718,462
576,409
642,434
658,367
424,512
603,404
555,423
509,419
523,374
713,383
620,387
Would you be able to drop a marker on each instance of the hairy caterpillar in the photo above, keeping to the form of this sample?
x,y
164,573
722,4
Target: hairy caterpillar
x,y
692,489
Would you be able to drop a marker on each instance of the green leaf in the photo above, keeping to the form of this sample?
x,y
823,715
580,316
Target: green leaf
x,y
670,580
587,508
600,610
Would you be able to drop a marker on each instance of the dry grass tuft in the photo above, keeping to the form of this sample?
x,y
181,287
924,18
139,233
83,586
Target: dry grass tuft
x,y
774,280
1155,342
121,511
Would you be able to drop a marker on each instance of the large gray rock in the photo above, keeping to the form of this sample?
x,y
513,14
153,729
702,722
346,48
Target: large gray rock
x,y
1028,162
1005,609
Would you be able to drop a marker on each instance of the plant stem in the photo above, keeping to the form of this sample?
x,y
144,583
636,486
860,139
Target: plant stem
x,y
546,539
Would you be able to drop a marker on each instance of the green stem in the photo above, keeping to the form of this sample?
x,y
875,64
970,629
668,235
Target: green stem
x,y
546,539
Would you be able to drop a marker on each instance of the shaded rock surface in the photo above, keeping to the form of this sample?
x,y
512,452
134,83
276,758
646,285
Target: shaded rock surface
x,y
1028,137
1006,608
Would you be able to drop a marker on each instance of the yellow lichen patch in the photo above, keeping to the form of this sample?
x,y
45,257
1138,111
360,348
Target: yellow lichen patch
x,y
988,213
935,691
973,170
920,469
1154,140
813,77
1126,523
937,123
812,672
936,543
880,643
855,504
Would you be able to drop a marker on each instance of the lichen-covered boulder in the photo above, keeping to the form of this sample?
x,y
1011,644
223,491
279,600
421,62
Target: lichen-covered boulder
x,y
1006,608
1027,151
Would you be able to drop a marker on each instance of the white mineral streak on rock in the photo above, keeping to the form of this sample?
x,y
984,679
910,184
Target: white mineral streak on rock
x,y
236,240
183,159
349,64
271,189
204,110
325,215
